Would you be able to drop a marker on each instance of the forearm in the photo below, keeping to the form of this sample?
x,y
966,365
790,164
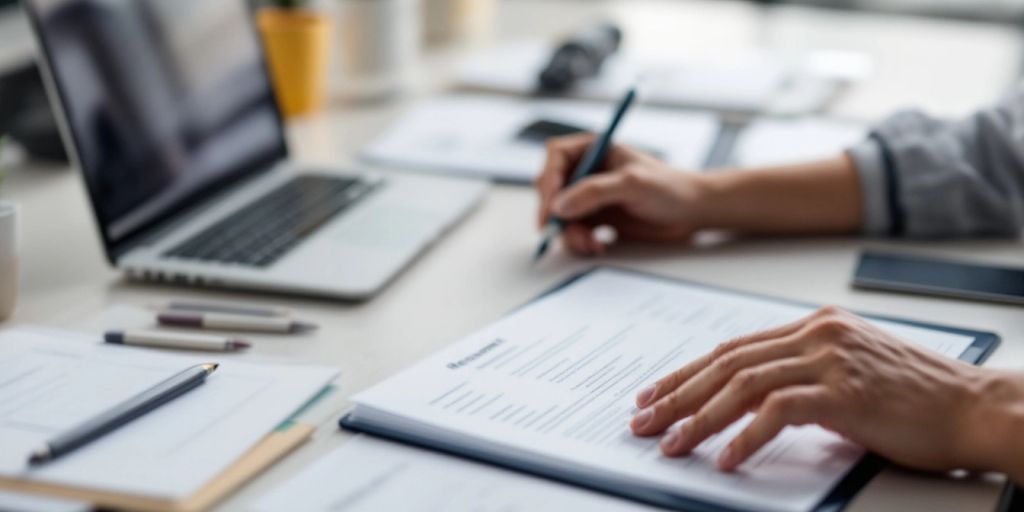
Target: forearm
x,y
813,198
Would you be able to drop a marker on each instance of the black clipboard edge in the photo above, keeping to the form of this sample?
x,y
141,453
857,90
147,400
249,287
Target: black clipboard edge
x,y
837,499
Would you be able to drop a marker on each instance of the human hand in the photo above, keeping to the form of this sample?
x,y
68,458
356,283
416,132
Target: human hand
x,y
834,369
634,193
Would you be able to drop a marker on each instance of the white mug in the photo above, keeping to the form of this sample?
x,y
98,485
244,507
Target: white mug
x,y
377,44
8,258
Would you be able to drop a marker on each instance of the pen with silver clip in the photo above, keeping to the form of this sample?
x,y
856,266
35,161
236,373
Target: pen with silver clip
x,y
186,341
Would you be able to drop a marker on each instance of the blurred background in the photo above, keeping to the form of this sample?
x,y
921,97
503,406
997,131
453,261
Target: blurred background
x,y
965,53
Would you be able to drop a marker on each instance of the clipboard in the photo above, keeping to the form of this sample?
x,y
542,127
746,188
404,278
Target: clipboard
x,y
288,436
838,497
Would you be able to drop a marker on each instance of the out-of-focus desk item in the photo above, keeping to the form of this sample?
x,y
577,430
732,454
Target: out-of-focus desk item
x,y
180,456
180,142
479,135
749,82
24,109
20,502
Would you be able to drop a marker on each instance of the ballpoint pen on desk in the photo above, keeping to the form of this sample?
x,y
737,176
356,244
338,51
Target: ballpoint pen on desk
x,y
222,307
232,322
122,414
587,166
175,340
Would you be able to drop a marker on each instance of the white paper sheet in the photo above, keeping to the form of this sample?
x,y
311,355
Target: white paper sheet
x,y
368,474
748,81
558,378
50,381
476,135
787,141
10,501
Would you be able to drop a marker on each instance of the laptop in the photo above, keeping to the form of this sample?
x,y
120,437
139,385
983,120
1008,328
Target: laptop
x,y
167,109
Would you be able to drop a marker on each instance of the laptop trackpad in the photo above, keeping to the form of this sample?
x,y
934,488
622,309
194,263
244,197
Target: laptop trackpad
x,y
387,227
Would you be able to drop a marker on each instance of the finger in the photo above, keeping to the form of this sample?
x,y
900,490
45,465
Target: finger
x,y
731,403
576,236
597,247
673,380
562,155
591,195
686,399
798,405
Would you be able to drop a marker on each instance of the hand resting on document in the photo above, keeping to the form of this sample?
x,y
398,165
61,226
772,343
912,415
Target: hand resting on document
x,y
836,370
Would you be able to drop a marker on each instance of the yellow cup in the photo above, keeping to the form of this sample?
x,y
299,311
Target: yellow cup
x,y
297,44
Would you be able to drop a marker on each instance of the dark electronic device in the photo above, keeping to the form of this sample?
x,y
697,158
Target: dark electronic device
x,y
26,116
541,130
928,276
581,56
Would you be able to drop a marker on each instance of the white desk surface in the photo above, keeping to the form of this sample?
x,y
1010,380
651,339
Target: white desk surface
x,y
482,268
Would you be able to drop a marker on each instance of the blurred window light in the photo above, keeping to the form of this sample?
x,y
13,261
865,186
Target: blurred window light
x,y
1007,11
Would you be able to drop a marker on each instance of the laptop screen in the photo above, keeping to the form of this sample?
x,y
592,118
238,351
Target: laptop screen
x,y
166,101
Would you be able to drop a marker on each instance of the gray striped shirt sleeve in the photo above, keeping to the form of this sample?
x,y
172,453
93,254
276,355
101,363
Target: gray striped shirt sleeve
x,y
929,178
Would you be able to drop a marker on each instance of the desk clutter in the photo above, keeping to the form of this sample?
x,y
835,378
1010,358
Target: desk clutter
x,y
185,455
170,406
503,138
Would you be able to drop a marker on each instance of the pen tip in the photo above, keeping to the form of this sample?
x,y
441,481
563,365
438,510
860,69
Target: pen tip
x,y
303,327
210,367
541,249
39,456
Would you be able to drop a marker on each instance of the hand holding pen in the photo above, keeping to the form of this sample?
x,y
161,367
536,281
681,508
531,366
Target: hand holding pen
x,y
635,194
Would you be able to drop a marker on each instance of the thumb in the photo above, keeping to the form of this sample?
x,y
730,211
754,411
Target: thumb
x,y
591,195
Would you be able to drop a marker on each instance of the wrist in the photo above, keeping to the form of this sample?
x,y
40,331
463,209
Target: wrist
x,y
993,424
720,200
811,198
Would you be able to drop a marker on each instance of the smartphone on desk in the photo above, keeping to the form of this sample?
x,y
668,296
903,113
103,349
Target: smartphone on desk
x,y
938,277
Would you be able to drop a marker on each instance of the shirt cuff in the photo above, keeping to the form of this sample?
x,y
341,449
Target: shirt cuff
x,y
874,186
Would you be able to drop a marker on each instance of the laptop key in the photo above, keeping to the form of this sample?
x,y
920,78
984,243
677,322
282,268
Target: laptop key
x,y
268,228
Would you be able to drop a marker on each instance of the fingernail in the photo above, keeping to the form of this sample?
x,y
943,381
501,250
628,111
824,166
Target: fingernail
x,y
725,460
685,433
669,442
643,418
645,395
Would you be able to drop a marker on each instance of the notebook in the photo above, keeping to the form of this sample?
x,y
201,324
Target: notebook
x,y
480,135
185,454
549,389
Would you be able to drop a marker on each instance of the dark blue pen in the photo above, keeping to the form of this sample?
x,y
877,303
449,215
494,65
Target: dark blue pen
x,y
587,166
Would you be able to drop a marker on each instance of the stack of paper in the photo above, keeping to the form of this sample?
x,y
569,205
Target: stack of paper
x,y
478,135
51,381
753,81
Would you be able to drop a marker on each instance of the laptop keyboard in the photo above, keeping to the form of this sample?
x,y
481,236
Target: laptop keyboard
x,y
262,232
